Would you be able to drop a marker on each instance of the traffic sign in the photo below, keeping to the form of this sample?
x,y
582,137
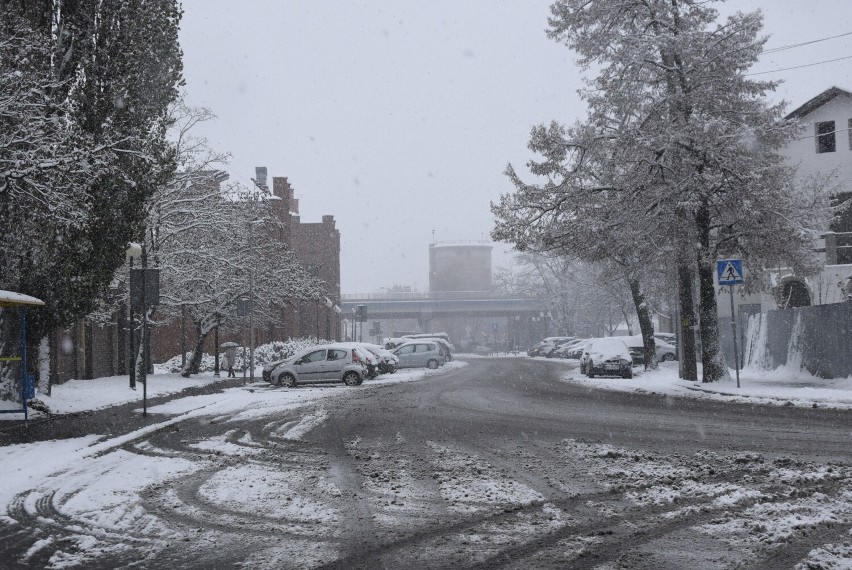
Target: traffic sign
x,y
494,327
730,271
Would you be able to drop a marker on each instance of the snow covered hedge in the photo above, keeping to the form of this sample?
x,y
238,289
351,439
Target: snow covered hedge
x,y
263,354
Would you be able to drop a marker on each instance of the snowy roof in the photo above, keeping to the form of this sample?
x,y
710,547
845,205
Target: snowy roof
x,y
12,299
817,101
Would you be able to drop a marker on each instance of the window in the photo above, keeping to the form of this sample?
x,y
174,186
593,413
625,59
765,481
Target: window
x,y
849,132
825,137
408,349
315,356
842,228
336,354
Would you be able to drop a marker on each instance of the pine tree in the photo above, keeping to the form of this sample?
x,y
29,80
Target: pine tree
x,y
679,152
103,75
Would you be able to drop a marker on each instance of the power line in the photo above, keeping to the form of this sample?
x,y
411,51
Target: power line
x,y
782,48
799,66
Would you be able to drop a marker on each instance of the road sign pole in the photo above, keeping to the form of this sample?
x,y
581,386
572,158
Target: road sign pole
x,y
734,330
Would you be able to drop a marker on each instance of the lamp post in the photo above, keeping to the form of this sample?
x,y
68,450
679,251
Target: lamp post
x,y
316,314
144,292
328,306
336,310
134,250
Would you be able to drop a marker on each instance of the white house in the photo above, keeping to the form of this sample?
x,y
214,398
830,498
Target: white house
x,y
824,147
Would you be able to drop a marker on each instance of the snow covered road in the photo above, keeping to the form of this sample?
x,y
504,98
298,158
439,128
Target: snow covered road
x,y
497,464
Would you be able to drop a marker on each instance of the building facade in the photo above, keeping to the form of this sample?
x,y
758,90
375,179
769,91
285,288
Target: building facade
x,y
823,149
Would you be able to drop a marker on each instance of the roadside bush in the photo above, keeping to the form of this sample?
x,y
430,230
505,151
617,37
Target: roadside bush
x,y
263,355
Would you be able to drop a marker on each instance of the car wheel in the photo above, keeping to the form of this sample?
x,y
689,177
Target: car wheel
x,y
433,364
352,378
590,371
287,379
627,373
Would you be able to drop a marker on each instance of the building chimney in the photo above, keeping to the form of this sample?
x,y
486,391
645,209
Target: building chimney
x,y
260,177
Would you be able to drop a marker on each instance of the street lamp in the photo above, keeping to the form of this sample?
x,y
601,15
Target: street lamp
x,y
144,292
134,250
328,306
337,310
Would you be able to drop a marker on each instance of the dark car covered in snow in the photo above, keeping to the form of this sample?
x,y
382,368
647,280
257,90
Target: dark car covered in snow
x,y
608,357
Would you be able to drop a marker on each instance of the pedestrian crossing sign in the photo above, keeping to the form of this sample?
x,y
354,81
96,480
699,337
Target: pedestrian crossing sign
x,y
730,271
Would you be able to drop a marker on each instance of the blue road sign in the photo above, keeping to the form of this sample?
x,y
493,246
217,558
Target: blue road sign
x,y
730,271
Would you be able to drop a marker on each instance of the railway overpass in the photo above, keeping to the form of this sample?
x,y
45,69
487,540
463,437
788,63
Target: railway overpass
x,y
469,317
427,306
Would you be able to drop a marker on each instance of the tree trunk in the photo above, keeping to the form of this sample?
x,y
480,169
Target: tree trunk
x,y
44,359
686,326
193,363
142,360
646,325
712,358
203,328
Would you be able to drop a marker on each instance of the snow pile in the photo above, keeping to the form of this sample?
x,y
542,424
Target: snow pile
x,y
783,386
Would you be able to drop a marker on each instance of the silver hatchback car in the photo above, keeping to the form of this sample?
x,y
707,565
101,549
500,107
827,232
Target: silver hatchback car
x,y
325,363
419,353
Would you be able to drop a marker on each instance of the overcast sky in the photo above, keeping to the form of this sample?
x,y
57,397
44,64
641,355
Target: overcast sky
x,y
398,117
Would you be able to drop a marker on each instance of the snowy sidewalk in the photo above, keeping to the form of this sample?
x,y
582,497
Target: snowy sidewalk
x,y
76,396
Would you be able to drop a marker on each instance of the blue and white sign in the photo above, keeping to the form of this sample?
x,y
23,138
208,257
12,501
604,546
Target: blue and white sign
x,y
730,271
494,327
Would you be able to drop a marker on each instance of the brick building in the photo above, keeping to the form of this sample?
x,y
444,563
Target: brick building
x,y
317,246
89,350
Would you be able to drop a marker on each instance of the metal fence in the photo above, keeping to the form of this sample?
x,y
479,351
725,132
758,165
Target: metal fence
x,y
817,339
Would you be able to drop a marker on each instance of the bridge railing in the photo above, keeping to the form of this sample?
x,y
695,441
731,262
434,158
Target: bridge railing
x,y
416,296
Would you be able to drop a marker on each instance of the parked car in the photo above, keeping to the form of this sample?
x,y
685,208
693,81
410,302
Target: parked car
x,y
324,363
549,344
391,343
608,357
419,353
421,336
670,338
576,350
564,349
387,361
446,347
665,351
440,337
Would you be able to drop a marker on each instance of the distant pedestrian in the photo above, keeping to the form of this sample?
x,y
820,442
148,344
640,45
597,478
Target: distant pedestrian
x,y
231,360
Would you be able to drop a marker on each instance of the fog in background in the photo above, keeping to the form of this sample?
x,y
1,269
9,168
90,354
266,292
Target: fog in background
x,y
399,118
